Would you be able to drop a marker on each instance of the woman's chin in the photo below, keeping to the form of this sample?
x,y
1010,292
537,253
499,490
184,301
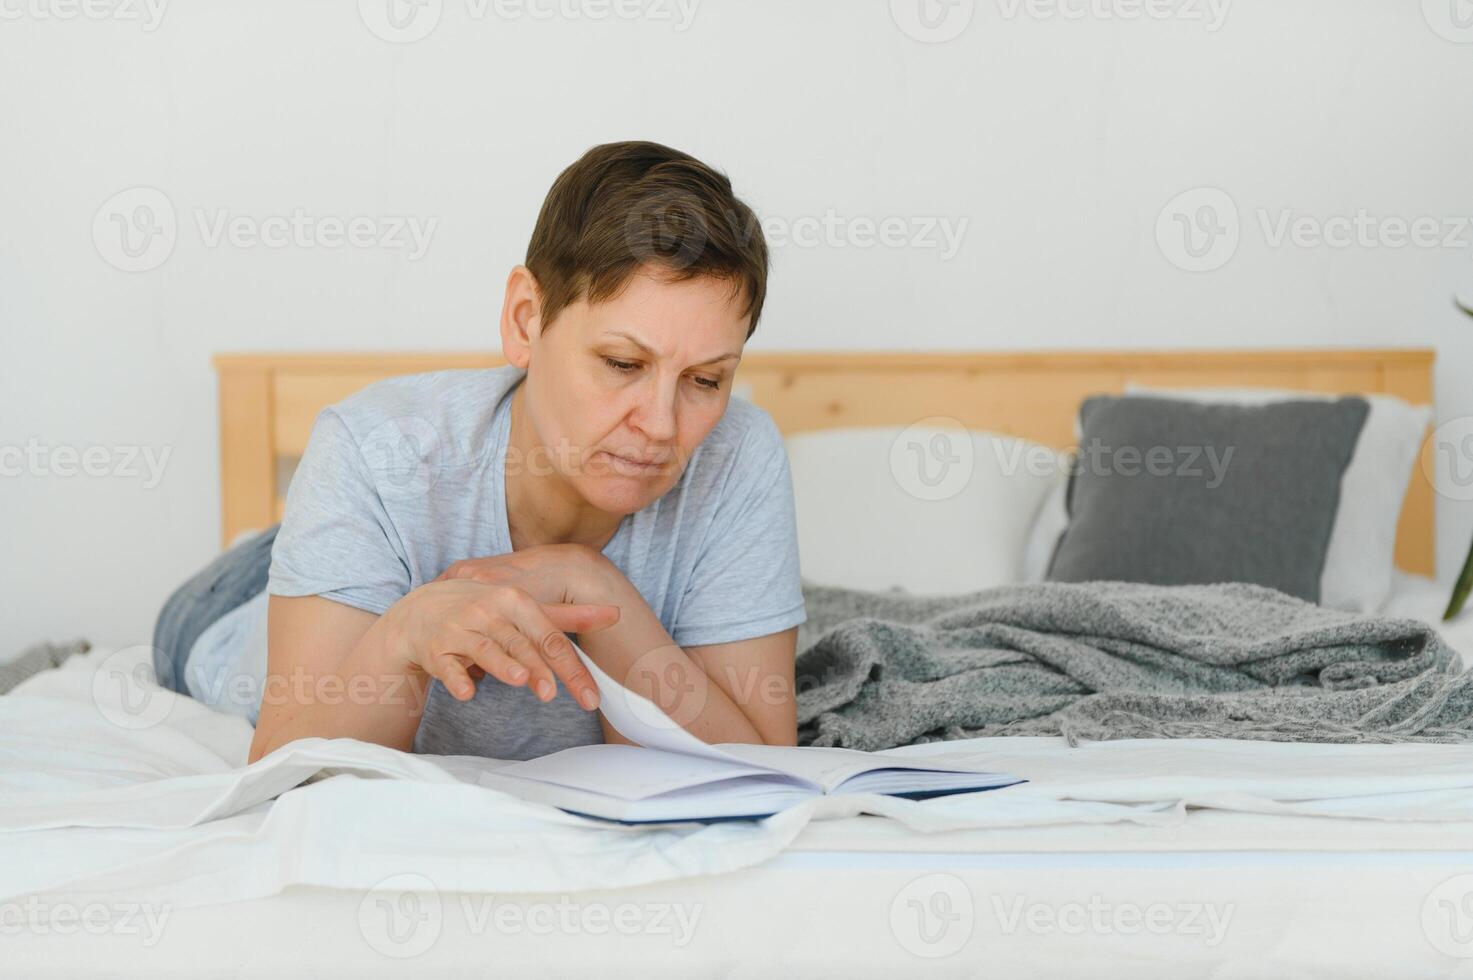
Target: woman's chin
x,y
615,494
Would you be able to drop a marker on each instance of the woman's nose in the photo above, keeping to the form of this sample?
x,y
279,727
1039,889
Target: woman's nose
x,y
655,414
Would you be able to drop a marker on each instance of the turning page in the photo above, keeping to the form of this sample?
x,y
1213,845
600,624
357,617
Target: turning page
x,y
669,774
825,769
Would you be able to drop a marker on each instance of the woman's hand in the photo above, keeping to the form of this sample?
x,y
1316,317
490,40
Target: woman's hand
x,y
548,572
458,629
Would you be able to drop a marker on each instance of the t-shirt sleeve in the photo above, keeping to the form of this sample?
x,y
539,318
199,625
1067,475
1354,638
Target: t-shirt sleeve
x,y
337,539
746,582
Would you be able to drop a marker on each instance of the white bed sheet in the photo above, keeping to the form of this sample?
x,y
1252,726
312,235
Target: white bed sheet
x,y
97,749
1260,832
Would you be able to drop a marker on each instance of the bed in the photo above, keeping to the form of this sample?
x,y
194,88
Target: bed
x,y
1134,858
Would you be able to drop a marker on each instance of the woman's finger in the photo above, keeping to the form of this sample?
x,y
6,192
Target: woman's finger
x,y
473,571
490,657
515,642
543,629
558,651
580,617
450,670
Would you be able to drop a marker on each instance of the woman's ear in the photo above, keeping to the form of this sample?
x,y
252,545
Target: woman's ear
x,y
521,316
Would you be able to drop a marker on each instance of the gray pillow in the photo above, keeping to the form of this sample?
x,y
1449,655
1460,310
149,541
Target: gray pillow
x,y
1178,493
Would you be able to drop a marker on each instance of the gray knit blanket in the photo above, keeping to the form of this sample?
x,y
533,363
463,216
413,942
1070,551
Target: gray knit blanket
x,y
1106,660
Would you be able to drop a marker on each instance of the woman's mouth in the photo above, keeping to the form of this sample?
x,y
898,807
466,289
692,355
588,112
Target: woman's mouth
x,y
632,467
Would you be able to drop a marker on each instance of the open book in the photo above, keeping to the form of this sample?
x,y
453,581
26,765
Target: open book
x,y
670,775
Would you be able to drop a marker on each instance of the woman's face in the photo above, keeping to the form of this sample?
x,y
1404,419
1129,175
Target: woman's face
x,y
622,392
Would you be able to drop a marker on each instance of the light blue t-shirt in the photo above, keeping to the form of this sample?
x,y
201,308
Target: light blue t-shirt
x,y
407,476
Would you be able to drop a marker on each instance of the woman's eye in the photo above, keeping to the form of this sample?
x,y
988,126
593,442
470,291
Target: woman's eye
x,y
626,367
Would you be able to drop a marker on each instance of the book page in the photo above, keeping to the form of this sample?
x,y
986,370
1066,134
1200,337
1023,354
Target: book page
x,y
645,723
830,767
628,772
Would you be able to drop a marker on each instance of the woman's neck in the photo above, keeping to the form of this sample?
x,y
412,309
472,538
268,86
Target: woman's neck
x,y
541,507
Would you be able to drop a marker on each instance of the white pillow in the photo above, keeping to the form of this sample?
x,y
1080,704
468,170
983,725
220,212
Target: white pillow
x,y
1360,556
930,510
1051,523
1048,527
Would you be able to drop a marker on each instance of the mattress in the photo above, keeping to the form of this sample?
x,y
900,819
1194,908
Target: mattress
x,y
1224,895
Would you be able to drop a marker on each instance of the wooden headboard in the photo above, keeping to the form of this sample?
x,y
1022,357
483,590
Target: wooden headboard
x,y
269,401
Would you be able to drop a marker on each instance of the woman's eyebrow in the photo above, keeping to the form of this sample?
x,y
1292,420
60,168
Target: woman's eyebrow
x,y
731,356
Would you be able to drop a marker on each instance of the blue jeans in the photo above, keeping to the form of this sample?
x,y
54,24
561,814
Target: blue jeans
x,y
229,581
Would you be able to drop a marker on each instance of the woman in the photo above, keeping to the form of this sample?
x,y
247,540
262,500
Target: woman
x,y
444,532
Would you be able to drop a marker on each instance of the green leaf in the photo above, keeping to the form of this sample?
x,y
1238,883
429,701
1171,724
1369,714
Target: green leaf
x,y
1461,590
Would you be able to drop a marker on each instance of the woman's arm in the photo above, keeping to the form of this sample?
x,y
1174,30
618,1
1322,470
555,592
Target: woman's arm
x,y
729,692
324,678
338,672
757,675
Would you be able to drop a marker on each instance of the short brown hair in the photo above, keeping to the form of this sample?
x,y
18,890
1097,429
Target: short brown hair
x,y
622,205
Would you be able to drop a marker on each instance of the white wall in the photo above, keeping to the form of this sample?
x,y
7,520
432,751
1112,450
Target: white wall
x,y
1057,138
